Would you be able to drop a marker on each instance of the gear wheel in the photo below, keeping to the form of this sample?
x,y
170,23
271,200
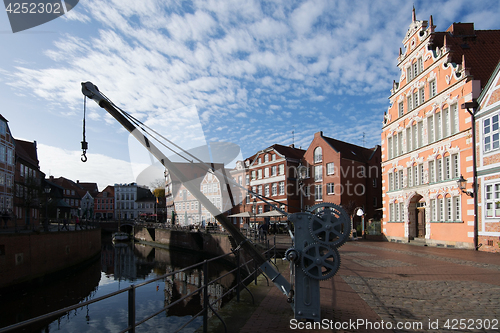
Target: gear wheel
x,y
330,225
320,261
292,255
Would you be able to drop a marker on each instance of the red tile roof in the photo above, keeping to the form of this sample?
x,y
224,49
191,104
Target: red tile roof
x,y
480,48
350,151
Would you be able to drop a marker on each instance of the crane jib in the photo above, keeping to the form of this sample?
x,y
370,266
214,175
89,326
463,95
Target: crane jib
x,y
92,92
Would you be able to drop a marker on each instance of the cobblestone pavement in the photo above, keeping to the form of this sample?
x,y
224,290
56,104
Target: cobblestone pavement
x,y
381,284
425,289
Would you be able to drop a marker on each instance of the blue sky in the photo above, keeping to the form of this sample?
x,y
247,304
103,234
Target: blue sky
x,y
247,72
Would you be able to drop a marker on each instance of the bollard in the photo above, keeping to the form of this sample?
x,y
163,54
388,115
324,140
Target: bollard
x,y
131,309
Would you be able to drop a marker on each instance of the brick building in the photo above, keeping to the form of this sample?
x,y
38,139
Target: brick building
x,y
343,174
7,171
272,172
28,184
426,137
104,204
488,164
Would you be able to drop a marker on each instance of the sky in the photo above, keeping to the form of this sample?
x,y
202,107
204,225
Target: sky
x,y
250,73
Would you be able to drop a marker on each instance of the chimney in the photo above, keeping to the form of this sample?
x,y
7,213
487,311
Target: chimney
x,y
292,146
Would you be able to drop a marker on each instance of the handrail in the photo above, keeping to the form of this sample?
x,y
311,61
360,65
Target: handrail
x,y
132,290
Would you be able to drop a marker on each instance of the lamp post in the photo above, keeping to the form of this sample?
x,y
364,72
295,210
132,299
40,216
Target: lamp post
x,y
361,213
468,106
46,222
254,212
302,174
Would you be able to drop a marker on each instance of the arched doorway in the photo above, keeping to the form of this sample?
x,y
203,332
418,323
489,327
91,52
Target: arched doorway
x,y
416,214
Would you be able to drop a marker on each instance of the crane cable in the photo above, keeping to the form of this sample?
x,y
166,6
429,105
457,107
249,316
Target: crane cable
x,y
84,143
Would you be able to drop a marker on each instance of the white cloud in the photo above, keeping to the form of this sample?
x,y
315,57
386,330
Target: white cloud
x,y
99,168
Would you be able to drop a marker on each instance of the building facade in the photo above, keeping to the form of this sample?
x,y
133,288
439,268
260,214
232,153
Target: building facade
x,y
7,171
343,174
125,200
272,173
488,164
104,206
426,136
28,185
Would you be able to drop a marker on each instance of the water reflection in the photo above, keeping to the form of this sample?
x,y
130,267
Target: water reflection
x,y
120,266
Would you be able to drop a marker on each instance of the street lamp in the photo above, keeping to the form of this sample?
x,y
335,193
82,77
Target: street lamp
x,y
361,213
302,174
461,185
254,212
46,222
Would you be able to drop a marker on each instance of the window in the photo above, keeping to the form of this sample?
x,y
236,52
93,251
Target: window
x,y
490,133
420,133
409,74
400,179
415,175
274,169
432,89
408,139
409,176
266,190
330,169
430,129
391,181
318,155
439,171
318,173
259,189
254,175
447,168
456,204
437,122
396,182
421,167
456,168
493,200
401,110
330,188
282,188
421,93
409,103
266,172
275,189
273,157
259,174
266,158
281,169
420,65
374,182
318,192
415,99
454,119
389,146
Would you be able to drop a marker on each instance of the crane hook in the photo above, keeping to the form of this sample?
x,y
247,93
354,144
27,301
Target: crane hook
x,y
84,157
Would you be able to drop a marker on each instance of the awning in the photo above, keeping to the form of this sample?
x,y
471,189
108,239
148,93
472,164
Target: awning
x,y
271,213
244,214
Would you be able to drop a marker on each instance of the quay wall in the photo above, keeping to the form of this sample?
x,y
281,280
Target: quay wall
x,y
29,257
211,244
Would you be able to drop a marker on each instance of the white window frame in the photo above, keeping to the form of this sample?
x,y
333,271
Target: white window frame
x,y
330,188
491,133
330,168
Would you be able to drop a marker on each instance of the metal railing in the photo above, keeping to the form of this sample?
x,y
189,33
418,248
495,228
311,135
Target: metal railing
x,y
241,283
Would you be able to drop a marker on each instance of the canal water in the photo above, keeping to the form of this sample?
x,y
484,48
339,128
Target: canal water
x,y
120,266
